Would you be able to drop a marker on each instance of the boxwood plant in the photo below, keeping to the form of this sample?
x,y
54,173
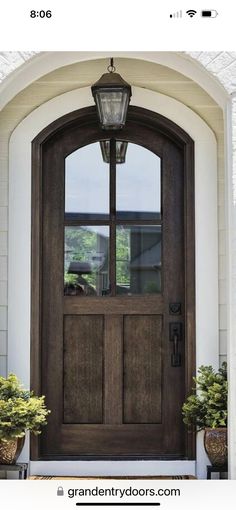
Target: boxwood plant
x,y
20,409
207,405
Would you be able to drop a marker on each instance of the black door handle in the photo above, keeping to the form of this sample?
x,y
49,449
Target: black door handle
x,y
175,337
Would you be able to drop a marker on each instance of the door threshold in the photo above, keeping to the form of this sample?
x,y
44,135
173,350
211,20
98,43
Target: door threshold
x,y
171,477
140,468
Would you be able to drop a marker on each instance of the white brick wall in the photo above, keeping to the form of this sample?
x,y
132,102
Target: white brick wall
x,y
222,65
11,60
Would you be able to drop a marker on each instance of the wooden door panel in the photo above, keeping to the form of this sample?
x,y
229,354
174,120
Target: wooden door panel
x,y
118,305
106,360
142,369
113,370
83,369
119,440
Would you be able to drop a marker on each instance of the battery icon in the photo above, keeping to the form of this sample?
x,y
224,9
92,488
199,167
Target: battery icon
x,y
209,14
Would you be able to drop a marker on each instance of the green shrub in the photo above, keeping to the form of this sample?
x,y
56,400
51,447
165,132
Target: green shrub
x,y
20,409
207,406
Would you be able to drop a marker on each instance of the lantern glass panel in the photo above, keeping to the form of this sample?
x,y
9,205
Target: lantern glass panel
x,y
112,107
121,148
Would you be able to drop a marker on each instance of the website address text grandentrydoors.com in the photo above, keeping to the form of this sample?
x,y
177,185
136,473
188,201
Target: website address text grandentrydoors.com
x,y
122,493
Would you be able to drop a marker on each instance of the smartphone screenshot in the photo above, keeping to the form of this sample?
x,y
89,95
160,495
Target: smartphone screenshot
x,y
117,254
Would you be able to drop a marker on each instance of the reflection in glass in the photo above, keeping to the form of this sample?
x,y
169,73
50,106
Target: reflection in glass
x,y
121,148
86,184
138,259
138,185
86,261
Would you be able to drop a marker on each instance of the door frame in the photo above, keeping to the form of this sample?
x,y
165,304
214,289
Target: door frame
x,y
169,129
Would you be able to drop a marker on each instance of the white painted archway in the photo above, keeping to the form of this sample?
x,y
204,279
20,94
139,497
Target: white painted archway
x,y
42,63
20,245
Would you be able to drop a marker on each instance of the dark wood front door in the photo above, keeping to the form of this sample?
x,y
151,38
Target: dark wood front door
x,y
113,287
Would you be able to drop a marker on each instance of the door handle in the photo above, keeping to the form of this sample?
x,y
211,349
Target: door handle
x,y
175,335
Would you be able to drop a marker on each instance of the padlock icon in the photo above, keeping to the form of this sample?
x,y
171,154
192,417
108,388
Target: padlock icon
x,y
60,491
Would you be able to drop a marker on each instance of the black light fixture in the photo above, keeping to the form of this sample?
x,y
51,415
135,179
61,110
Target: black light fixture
x,y
121,148
112,96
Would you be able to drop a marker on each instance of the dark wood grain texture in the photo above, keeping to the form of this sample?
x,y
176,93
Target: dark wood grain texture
x,y
164,389
83,369
190,300
113,370
142,440
52,289
142,369
147,304
36,274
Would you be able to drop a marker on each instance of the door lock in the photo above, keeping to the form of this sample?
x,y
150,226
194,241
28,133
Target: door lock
x,y
175,336
175,308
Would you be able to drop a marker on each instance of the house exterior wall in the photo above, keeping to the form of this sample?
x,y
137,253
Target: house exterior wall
x,y
143,74
231,287
220,115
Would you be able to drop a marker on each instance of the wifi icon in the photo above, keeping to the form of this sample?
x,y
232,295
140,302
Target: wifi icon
x,y
191,13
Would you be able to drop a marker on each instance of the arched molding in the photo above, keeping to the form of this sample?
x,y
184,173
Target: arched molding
x,y
43,63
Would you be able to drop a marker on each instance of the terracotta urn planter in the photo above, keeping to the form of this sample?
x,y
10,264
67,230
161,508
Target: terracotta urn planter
x,y
215,443
10,450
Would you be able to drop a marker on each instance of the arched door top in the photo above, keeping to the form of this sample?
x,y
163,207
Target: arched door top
x,y
87,117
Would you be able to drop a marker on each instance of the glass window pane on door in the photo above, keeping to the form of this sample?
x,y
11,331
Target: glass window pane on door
x,y
86,270
86,184
138,185
138,259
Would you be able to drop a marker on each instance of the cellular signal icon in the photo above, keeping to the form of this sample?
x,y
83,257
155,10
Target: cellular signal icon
x,y
177,14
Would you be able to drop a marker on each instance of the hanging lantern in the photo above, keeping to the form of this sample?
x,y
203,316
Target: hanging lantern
x,y
121,148
112,96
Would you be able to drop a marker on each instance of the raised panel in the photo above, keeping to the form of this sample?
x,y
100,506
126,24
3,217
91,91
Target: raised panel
x,y
130,439
113,370
83,369
142,369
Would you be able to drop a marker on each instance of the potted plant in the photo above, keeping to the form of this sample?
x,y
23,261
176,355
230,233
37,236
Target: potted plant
x,y
20,410
206,409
